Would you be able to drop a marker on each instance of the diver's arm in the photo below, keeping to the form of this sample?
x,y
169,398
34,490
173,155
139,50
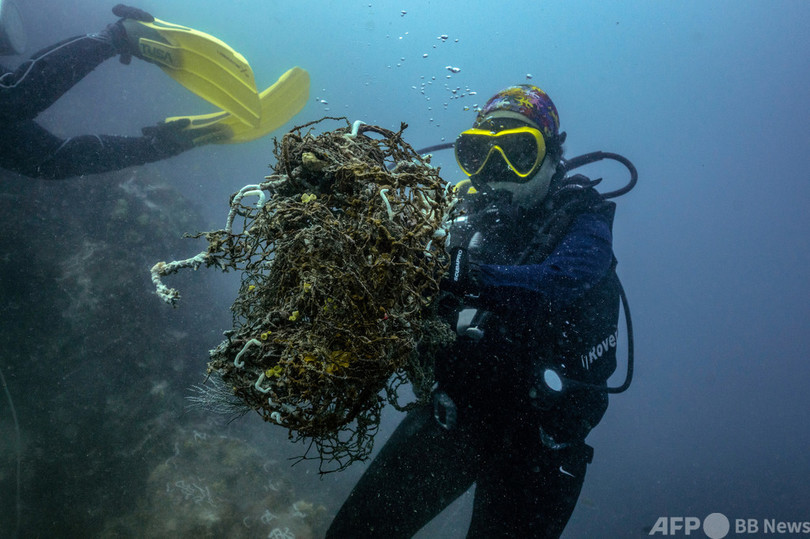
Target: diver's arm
x,y
580,261
38,82
32,151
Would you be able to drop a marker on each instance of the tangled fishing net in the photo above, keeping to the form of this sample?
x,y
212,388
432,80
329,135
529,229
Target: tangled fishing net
x,y
341,250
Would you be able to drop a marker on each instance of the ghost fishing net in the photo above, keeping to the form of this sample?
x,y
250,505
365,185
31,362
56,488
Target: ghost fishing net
x,y
341,252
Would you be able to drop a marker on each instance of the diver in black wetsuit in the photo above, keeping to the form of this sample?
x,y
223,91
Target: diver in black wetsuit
x,y
532,289
29,149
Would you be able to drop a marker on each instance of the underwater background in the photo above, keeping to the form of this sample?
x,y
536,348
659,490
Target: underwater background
x,y
708,99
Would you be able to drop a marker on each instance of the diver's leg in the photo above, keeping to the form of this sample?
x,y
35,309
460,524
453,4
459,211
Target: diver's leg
x,y
526,491
38,82
420,471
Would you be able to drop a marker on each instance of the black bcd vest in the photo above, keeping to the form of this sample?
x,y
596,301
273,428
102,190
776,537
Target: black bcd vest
x,y
578,341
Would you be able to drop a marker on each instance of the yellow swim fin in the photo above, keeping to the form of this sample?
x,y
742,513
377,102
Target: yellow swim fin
x,y
279,103
202,63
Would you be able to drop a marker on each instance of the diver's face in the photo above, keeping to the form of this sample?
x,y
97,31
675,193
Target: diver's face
x,y
531,192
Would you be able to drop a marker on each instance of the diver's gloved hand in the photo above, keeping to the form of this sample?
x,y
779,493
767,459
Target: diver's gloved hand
x,y
463,278
172,138
129,12
124,33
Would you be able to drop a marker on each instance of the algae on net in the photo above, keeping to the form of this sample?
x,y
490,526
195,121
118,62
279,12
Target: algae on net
x,y
341,259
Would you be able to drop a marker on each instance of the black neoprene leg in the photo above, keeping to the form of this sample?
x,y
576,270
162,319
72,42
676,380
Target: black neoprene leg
x,y
40,81
420,471
528,490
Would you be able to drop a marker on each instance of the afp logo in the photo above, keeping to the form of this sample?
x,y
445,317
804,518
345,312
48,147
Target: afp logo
x,y
715,526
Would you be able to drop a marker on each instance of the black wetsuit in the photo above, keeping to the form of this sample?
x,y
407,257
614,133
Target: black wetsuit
x,y
549,285
29,149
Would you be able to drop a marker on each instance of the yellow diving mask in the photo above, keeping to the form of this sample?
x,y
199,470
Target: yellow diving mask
x,y
523,149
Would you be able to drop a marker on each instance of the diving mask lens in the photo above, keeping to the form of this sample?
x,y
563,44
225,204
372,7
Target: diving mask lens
x,y
523,149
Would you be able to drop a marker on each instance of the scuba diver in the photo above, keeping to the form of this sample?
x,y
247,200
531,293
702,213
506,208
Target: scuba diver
x,y
200,62
534,298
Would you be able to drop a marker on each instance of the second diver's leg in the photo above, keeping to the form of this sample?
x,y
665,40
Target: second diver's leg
x,y
420,471
41,80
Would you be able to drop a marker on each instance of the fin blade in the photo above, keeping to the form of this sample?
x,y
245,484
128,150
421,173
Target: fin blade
x,y
206,66
280,102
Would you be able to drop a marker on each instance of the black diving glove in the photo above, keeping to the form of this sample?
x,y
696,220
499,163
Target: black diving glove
x,y
172,138
463,277
129,12
124,33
